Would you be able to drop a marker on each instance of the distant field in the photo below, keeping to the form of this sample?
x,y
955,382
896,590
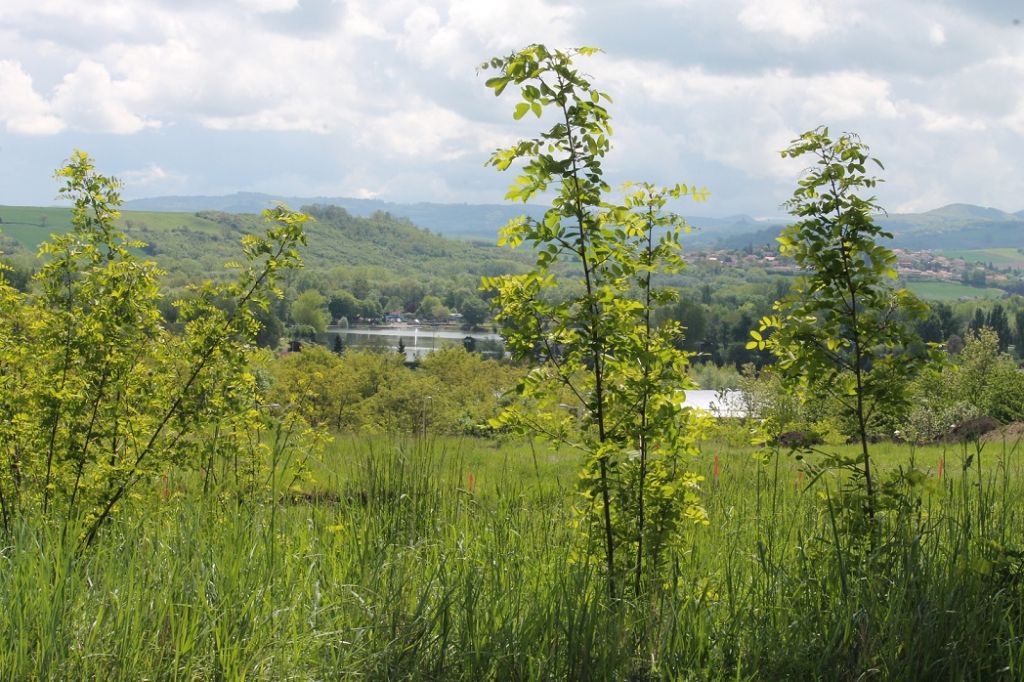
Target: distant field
x,y
1006,257
951,291
32,225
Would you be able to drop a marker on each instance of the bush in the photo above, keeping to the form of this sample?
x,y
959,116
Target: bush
x,y
96,395
453,392
982,381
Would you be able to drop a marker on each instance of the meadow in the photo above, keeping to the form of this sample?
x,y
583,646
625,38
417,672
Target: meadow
x,y
454,558
1000,257
951,291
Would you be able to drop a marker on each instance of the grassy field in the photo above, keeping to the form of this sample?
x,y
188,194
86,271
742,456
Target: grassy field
x,y
951,291
999,257
454,559
30,225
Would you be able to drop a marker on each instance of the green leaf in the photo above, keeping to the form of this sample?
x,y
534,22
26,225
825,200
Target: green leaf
x,y
498,84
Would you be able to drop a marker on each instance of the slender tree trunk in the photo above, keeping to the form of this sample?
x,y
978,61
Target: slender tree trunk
x,y
641,520
597,353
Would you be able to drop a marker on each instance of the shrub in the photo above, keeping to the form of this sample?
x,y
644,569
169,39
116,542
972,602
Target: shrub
x,y
96,395
981,382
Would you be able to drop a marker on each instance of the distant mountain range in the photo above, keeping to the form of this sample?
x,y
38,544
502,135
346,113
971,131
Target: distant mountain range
x,y
453,220
480,221
956,226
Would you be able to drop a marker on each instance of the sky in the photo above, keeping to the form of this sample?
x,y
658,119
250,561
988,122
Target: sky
x,y
383,98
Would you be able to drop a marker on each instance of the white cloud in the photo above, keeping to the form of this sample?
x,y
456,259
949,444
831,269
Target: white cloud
x,y
269,6
150,175
88,99
456,36
425,37
937,121
975,179
22,109
393,84
742,120
217,65
425,130
359,23
801,20
509,24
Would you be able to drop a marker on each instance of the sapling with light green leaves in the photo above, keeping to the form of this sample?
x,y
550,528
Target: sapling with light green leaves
x,y
844,330
96,395
607,380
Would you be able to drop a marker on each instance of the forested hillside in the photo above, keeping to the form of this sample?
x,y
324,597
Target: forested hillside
x,y
196,243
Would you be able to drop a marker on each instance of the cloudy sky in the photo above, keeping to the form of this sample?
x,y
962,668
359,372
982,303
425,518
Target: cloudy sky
x,y
381,98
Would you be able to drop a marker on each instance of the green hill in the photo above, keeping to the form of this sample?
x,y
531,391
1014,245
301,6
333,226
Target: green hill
x,y
952,291
956,227
198,244
968,212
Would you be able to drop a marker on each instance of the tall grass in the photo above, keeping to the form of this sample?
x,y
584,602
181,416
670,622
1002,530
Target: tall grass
x,y
422,560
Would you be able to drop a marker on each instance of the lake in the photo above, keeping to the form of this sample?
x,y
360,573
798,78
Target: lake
x,y
720,404
418,340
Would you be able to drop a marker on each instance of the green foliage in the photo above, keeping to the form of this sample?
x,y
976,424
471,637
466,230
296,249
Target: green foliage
x,y
1018,337
343,304
452,392
989,378
310,309
779,410
270,328
1000,324
709,376
431,308
16,272
608,379
843,330
474,310
980,382
692,316
97,396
